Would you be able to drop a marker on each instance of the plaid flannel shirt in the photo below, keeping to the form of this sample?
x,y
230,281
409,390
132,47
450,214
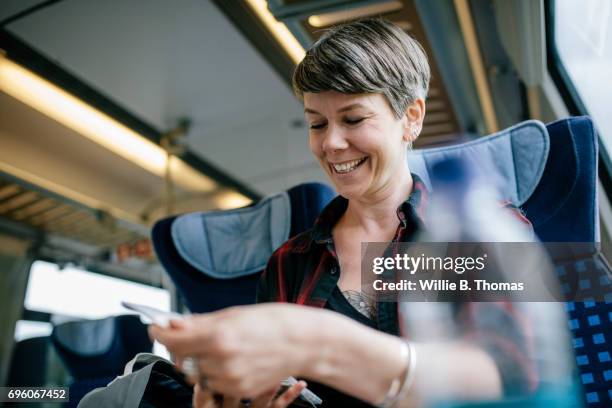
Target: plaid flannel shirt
x,y
305,270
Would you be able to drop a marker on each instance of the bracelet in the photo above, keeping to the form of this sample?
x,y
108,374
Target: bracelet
x,y
411,373
400,385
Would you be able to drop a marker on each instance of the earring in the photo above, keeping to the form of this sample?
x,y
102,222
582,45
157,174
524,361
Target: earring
x,y
413,135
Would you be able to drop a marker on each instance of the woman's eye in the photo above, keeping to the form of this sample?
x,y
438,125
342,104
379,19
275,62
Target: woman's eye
x,y
316,126
352,121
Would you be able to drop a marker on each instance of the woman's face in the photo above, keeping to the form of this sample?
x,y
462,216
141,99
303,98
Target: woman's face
x,y
358,141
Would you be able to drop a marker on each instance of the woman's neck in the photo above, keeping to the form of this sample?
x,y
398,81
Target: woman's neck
x,y
379,212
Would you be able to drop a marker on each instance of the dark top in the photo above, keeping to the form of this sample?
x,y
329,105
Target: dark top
x,y
331,397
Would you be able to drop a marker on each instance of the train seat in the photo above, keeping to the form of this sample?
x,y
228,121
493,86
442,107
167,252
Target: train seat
x,y
29,362
564,209
215,257
96,351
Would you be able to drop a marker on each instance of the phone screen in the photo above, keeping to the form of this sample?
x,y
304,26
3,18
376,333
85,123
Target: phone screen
x,y
156,316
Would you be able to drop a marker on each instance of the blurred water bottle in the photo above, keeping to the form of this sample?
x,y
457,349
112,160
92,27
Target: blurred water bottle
x,y
466,208
528,341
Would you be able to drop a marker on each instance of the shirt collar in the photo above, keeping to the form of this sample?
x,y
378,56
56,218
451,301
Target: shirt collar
x,y
414,206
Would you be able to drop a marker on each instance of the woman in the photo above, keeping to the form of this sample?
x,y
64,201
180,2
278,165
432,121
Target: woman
x,y
363,86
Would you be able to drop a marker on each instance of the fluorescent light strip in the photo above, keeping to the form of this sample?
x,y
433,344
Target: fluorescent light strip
x,y
327,19
100,128
230,199
278,30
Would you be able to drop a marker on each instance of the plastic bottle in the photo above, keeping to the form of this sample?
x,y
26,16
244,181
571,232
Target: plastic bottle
x,y
463,208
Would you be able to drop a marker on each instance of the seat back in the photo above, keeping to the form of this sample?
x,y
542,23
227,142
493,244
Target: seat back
x,y
215,258
564,208
512,161
29,363
549,171
96,351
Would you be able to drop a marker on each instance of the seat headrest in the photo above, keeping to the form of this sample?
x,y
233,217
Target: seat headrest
x,y
512,160
86,337
95,349
234,243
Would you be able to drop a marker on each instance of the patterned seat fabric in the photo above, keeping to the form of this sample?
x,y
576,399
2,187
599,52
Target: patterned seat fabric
x,y
591,325
564,209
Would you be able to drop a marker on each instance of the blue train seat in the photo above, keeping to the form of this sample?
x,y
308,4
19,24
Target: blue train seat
x,y
215,258
96,351
29,362
567,211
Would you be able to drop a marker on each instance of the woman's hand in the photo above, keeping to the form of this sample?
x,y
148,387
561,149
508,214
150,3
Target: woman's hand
x,y
204,398
243,352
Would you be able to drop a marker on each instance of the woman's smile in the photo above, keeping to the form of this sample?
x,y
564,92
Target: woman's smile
x,y
346,167
361,159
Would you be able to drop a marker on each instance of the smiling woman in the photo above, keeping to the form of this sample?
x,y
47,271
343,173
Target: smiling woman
x,y
363,85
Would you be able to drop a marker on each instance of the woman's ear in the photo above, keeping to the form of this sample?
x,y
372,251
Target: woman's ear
x,y
415,113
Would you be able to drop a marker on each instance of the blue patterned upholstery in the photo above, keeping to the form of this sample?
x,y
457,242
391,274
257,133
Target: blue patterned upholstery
x,y
573,159
591,326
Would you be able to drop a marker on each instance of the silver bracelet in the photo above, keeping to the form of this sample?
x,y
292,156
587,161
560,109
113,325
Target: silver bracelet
x,y
409,380
400,385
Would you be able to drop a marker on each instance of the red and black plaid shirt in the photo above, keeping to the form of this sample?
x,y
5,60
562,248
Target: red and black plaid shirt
x,y
305,270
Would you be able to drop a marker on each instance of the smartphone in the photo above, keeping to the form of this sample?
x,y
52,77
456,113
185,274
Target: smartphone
x,y
152,315
161,318
306,395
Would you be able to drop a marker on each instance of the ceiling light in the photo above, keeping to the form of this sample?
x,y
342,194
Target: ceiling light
x,y
278,30
100,128
231,199
327,19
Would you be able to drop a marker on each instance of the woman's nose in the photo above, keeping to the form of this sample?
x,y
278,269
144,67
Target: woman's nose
x,y
334,139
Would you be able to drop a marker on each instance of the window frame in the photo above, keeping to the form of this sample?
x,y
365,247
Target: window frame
x,y
570,95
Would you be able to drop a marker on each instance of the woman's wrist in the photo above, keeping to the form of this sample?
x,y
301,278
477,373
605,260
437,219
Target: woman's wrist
x,y
351,357
401,384
322,336
329,348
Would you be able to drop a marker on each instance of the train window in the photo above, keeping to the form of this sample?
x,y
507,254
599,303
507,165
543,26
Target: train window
x,y
583,37
78,293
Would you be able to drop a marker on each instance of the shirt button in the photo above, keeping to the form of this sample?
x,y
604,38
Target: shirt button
x,y
334,270
362,304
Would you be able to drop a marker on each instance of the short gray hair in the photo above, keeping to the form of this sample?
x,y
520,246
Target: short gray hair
x,y
366,56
